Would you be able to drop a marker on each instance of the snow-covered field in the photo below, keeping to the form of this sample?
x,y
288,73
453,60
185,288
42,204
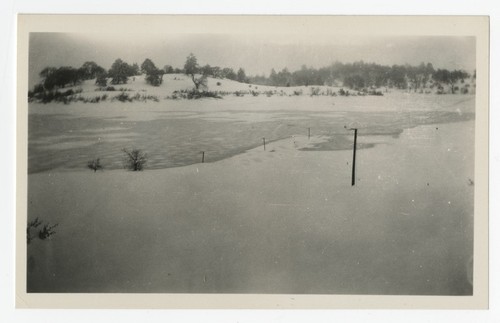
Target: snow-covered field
x,y
281,220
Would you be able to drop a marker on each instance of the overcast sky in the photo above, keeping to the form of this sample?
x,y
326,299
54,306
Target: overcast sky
x,y
257,54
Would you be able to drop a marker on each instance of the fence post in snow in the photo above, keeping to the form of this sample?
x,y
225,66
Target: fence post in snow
x,y
353,180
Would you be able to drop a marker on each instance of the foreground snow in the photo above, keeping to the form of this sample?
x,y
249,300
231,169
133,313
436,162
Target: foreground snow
x,y
281,220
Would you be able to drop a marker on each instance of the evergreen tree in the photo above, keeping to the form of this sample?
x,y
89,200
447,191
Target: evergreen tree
x,y
147,67
241,76
119,72
101,80
90,70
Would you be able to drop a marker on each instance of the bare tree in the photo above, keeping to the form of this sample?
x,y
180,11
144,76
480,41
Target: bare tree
x,y
135,159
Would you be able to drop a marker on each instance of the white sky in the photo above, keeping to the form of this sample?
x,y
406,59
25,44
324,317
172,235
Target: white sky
x,y
257,54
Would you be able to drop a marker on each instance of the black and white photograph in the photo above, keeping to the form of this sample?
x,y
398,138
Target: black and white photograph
x,y
289,160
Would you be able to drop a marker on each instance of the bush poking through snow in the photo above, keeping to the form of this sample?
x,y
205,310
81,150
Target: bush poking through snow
x,y
47,231
195,94
315,91
125,97
135,159
94,164
32,225
44,233
342,92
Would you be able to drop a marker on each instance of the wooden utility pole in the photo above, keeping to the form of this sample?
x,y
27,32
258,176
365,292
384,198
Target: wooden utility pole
x,y
353,181
264,140
202,156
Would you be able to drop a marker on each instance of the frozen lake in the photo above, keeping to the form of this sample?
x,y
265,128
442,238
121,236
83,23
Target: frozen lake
x,y
174,133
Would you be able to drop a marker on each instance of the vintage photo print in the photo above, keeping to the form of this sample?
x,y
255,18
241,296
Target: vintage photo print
x,y
252,161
